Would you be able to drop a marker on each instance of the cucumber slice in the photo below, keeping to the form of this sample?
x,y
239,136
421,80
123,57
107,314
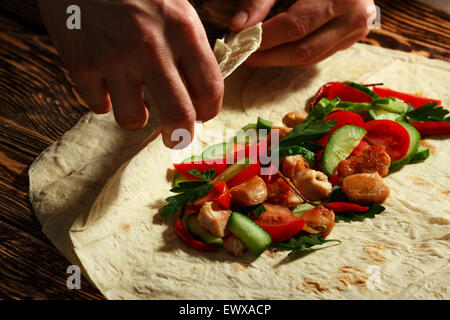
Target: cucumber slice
x,y
197,230
376,114
414,139
250,233
216,151
192,159
341,144
421,154
233,170
301,209
391,104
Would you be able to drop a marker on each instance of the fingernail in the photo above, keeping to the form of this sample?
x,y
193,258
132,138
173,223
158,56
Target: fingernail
x,y
239,18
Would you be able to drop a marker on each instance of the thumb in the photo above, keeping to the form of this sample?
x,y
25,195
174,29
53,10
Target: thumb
x,y
250,13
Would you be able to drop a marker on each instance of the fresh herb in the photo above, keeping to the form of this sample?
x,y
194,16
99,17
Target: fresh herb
x,y
284,151
429,112
338,195
302,241
258,210
188,192
359,216
263,124
307,132
364,89
322,109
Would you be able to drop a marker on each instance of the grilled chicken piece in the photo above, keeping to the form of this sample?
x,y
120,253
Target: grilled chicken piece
x,y
294,164
281,193
319,220
372,159
314,185
213,218
249,193
293,119
233,245
365,188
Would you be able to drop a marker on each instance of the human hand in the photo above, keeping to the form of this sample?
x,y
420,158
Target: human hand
x,y
308,32
124,44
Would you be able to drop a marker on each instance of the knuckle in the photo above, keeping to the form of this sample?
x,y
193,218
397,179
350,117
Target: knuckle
x,y
303,55
295,29
181,114
213,91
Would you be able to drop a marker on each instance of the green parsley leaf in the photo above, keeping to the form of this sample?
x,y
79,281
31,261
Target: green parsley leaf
x,y
283,151
322,109
258,210
188,192
307,132
429,112
302,241
359,216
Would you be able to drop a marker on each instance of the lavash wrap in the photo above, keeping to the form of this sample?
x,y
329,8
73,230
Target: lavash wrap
x,y
98,191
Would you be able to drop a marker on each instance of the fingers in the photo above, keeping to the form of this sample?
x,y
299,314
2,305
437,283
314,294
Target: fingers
x,y
301,19
250,13
311,49
175,108
127,100
93,89
204,80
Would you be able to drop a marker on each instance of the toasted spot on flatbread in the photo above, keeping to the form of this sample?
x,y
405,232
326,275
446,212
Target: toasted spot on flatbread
x,y
351,276
125,226
241,266
373,252
427,144
270,253
446,192
439,220
313,286
420,182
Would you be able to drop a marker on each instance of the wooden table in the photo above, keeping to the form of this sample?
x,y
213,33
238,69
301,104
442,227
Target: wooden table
x,y
38,103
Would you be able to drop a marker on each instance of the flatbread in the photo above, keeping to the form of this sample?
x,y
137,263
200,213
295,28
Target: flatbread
x,y
98,190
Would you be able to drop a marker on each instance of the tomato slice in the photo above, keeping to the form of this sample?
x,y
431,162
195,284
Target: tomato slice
x,y
390,134
279,222
343,118
416,101
201,166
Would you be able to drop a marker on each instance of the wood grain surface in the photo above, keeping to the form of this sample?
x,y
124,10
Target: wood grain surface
x,y
38,103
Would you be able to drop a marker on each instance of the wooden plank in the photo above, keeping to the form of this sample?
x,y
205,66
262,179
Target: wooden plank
x,y
31,269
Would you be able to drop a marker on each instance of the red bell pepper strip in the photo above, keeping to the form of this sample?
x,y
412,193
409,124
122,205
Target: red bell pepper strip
x,y
432,127
345,92
346,206
416,101
247,174
218,164
189,239
219,194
